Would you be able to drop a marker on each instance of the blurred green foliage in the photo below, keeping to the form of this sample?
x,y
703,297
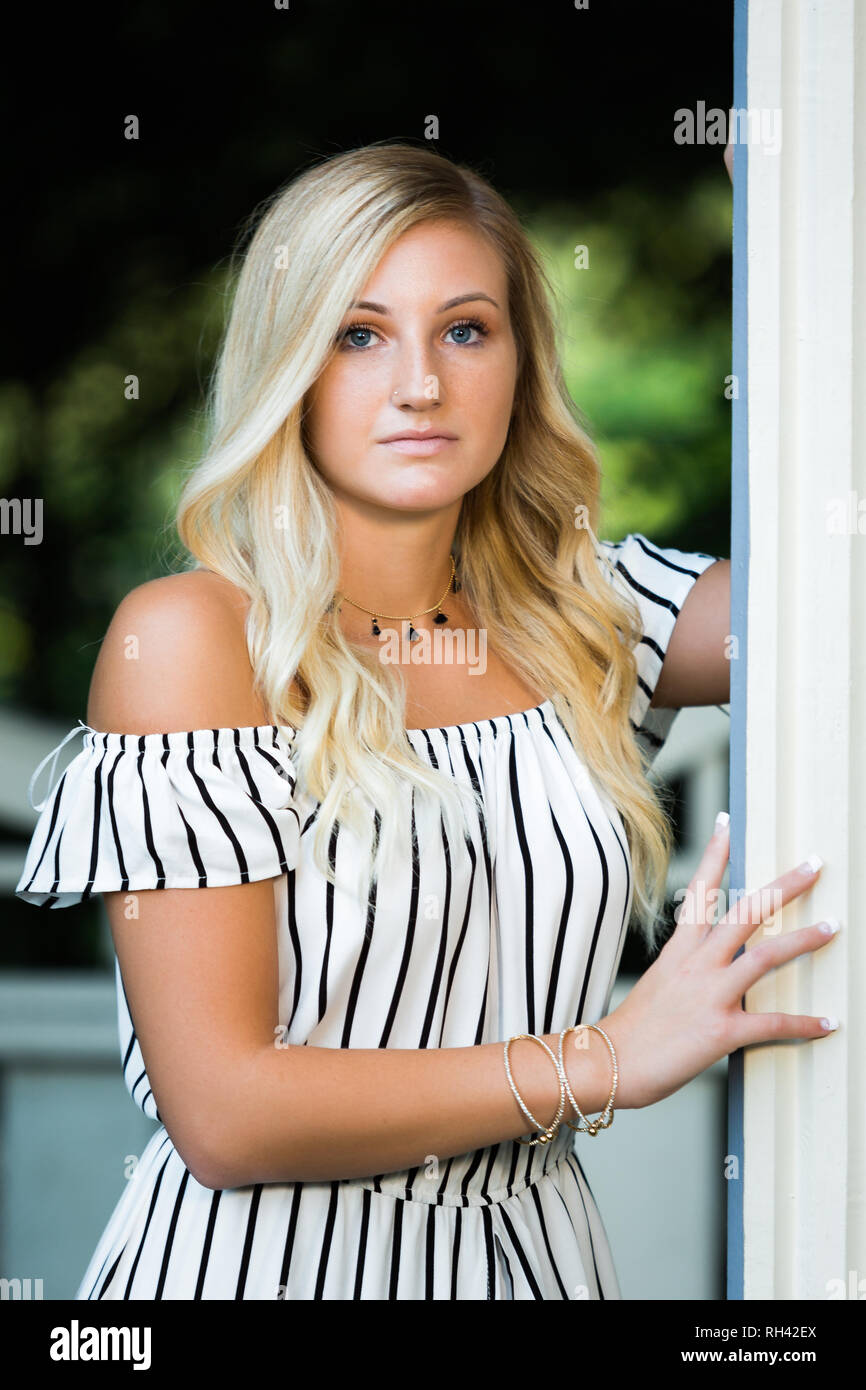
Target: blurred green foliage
x,y
646,347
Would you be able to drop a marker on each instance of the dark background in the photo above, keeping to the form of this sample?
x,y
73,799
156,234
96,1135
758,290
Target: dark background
x,y
117,254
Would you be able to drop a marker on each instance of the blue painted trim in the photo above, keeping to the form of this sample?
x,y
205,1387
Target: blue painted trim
x,y
739,621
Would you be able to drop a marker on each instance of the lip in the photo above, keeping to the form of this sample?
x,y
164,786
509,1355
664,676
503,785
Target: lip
x,y
417,434
418,445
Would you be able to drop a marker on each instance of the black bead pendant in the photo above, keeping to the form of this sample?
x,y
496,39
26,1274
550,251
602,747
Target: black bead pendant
x,y
376,629
441,617
414,634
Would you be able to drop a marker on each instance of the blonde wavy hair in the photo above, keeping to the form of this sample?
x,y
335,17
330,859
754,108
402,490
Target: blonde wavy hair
x,y
255,510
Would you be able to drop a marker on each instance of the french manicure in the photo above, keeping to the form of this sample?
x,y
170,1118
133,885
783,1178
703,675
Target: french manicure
x,y
722,819
829,1024
812,864
830,927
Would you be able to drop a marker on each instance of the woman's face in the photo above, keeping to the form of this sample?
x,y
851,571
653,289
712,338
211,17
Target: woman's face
x,y
406,362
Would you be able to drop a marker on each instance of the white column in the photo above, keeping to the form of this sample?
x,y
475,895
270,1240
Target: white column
x,y
804,1195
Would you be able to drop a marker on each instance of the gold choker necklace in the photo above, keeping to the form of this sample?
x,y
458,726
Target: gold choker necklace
x,y
452,586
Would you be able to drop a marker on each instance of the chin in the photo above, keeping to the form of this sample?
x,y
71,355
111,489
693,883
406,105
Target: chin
x,y
418,489
430,499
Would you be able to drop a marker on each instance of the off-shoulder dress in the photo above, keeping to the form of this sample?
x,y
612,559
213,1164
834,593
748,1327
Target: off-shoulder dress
x,y
520,928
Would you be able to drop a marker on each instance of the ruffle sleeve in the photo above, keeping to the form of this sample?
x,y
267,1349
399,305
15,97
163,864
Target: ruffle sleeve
x,y
659,581
204,808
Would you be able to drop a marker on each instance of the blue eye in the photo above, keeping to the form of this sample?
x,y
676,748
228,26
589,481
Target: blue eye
x,y
355,328
478,324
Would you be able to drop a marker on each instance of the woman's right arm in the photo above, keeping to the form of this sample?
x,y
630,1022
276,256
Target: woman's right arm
x,y
200,970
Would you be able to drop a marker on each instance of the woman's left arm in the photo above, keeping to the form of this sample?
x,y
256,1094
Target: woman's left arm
x,y
697,667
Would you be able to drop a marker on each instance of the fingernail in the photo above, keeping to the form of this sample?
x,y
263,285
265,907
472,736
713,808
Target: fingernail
x,y
722,819
830,927
812,864
829,1024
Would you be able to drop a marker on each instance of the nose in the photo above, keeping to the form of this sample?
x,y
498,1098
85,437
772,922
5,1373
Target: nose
x,y
414,382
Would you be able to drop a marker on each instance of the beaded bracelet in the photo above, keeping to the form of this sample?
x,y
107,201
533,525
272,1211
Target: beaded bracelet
x,y
547,1131
605,1119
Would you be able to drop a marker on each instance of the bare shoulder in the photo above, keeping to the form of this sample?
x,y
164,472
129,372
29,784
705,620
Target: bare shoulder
x,y
175,657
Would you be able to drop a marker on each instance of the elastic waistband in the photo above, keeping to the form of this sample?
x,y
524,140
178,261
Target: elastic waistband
x,y
483,1177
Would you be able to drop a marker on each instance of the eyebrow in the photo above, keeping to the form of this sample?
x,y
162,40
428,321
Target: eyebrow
x,y
449,303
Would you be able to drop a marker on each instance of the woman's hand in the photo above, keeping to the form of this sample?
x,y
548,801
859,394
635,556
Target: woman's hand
x,y
685,1013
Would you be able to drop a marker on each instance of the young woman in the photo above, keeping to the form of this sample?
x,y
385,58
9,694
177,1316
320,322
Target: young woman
x,y
395,721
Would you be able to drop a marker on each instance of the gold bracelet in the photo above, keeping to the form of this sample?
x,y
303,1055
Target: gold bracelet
x,y
548,1131
605,1118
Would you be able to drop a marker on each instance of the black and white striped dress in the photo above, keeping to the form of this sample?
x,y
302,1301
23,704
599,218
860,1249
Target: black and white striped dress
x,y
519,928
